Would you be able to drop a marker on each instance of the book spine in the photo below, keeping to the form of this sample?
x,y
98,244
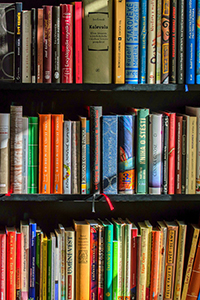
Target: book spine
x,y
151,60
3,265
183,177
119,41
49,263
41,266
52,280
40,45
25,155
25,262
32,257
133,281
11,265
198,44
78,42
162,262
70,265
126,159
67,158
158,41
138,267
93,262
44,268
95,140
173,43
143,42
109,154
178,171
127,261
100,269
165,141
149,258
165,41
47,44
171,153
132,42
37,266
4,153
56,44
32,155
87,156
63,263
18,42
192,156
18,265
155,264
16,148
75,157
181,42
57,154
190,58
33,45
155,153
143,264
115,269
83,155
66,43
26,46
108,271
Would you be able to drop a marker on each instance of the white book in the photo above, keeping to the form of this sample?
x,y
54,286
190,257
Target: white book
x,y
53,250
67,158
25,155
58,264
4,153
70,263
26,46
63,261
24,228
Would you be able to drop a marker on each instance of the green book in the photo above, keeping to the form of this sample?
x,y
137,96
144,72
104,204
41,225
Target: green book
x,y
32,155
37,265
142,184
49,262
116,246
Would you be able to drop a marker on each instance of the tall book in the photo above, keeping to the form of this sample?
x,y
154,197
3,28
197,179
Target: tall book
x,y
37,265
16,126
56,44
44,267
83,154
163,243
183,177
24,228
75,157
41,265
67,157
173,42
70,262
165,149
66,22
25,155
101,257
82,230
115,269
26,46
149,258
32,258
119,41
143,42
87,156
134,261
44,153
49,266
40,45
97,52
165,41
4,153
18,42
63,261
32,155
138,266
109,154
47,43
181,42
78,16
158,41
126,155
33,45
3,264
178,170
10,263
57,265
132,42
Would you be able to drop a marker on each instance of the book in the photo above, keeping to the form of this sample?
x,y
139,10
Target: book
x,y
75,157
198,44
97,52
132,42
88,157
173,42
32,155
78,41
115,269
37,264
24,228
134,261
138,266
26,46
57,265
3,264
83,154
47,43
183,179
82,232
181,42
32,258
57,153
101,258
4,153
10,263
165,150
165,38
41,266
56,44
163,243
18,41
40,29
127,257
178,170
67,157
24,155
149,258
109,154
151,52
158,41
33,45
70,262
126,155
49,266
119,41
63,260
143,43
52,241
66,20
44,267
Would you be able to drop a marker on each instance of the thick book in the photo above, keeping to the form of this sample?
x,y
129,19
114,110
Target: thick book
x,y
165,34
70,262
143,42
88,157
178,168
126,156
183,176
151,52
18,42
32,258
56,44
83,154
97,37
163,243
10,263
76,147
40,45
67,157
3,264
66,22
109,154
26,46
173,42
47,44
78,33
165,147
132,42
4,153
25,155
158,41
32,155
181,42
33,45
7,41
24,228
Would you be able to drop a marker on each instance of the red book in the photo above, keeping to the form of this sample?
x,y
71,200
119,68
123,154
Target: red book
x,y
134,233
19,264
78,42
66,43
11,263
47,49
3,265
155,257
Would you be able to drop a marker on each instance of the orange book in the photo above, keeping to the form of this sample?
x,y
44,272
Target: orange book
x,y
44,154
194,285
155,260
11,263
57,154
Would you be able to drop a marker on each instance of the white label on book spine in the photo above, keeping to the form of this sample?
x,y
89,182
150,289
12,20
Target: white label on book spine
x,y
67,158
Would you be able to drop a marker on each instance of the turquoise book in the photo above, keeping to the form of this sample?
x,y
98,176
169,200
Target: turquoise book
x,y
32,155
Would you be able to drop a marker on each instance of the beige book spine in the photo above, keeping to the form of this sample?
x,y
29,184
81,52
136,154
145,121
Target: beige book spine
x,y
4,153
26,46
192,155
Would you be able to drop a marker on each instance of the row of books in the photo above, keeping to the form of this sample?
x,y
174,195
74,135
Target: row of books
x,y
137,152
127,42
99,259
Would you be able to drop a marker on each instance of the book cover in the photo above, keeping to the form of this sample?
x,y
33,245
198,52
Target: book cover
x,y
44,267
41,266
101,258
57,154
4,153
63,261
165,38
134,261
138,266
56,44
183,179
132,42
44,153
66,43
76,147
88,157
82,230
149,258
47,43
109,154
97,51
33,45
37,265
70,263
178,170
10,263
173,43
3,264
26,46
119,41
78,16
165,150
198,44
181,42
40,27
24,155
32,155
49,266
116,246
83,154
163,243
143,42
18,41
32,258
67,157
52,241
158,41
127,259
24,228
57,265
7,41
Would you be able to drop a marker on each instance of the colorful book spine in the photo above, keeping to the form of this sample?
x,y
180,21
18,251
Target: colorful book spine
x,y
165,146
66,43
158,41
83,155
57,265
25,260
178,170
40,45
93,260
75,157
56,44
41,266
163,239
3,265
49,267
37,266
25,155
19,245
126,158
53,253
63,261
70,263
190,38
33,46
78,42
32,155
165,41
127,260
44,267
32,259
149,258
143,42
26,46
4,153
181,42
134,262
138,266
10,263
67,158
183,177
47,44
132,42
173,43
87,156
100,269
116,246
18,42
155,260
109,154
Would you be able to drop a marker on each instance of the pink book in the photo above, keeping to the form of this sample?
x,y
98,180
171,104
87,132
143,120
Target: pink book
x,y
66,43
47,46
78,42
3,265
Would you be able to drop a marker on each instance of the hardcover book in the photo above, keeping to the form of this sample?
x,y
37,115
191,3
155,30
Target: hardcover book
x,y
62,266
165,41
18,42
183,179
33,46
178,170
149,258
83,155
181,42
76,178
3,264
78,16
25,155
70,263
163,243
198,44
4,153
87,156
32,258
56,44
151,60
165,149
158,41
11,263
173,43
40,27
47,43
143,42
24,228
115,269
33,155
67,158
101,254
155,263
26,46
134,261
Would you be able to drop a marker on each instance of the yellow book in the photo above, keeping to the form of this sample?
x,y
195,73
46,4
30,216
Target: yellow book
x,y
41,265
148,224
44,268
82,230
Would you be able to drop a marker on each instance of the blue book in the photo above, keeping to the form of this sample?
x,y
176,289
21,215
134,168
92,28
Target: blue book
x,y
143,42
132,42
109,153
87,156
198,44
32,258
190,41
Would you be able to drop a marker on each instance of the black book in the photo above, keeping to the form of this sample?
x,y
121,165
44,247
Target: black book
x,y
165,142
34,45
56,44
18,42
181,42
183,177
173,43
